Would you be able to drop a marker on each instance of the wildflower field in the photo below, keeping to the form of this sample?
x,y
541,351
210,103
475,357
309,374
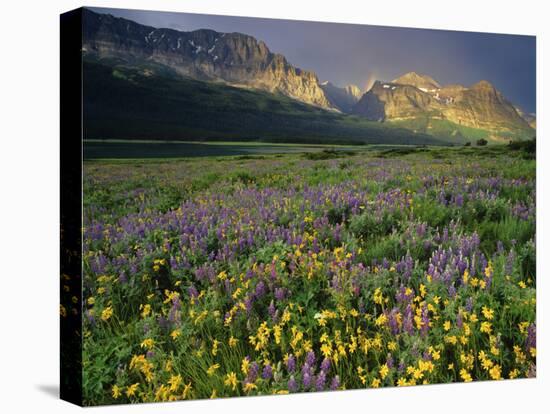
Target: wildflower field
x,y
217,277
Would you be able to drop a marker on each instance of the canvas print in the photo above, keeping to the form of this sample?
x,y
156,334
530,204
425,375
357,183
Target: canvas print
x,y
276,206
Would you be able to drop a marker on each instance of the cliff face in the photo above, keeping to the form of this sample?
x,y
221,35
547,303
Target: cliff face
x,y
482,106
411,96
342,98
232,58
393,101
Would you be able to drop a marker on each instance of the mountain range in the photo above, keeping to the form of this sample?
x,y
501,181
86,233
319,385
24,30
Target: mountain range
x,y
412,97
413,102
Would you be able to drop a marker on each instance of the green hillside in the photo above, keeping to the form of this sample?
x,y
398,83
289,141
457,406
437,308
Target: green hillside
x,y
455,133
125,102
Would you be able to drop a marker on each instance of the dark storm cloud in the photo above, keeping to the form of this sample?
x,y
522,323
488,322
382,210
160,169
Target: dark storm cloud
x,y
346,53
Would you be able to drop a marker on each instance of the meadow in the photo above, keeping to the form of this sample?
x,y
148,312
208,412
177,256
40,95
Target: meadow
x,y
280,273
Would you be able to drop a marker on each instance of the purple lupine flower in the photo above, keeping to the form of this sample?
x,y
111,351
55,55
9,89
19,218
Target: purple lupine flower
x,y
267,373
462,265
401,367
469,304
310,358
192,291
292,386
306,380
393,321
335,383
389,361
279,294
150,354
320,381
425,321
291,364
306,368
325,365
249,274
122,277
271,310
452,291
260,289
253,372
427,245
408,325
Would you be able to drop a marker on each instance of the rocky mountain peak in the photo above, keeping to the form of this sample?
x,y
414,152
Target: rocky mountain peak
x,y
233,58
341,98
353,90
486,88
414,96
417,80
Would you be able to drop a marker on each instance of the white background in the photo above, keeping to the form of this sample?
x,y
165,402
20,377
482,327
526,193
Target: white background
x,y
29,206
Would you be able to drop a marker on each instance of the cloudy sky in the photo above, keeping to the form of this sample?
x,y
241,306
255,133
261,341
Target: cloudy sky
x,y
358,54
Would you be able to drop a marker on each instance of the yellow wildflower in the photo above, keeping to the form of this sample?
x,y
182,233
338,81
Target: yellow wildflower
x,y
465,375
485,327
231,380
174,382
245,364
402,382
131,390
384,371
212,369
186,391
381,320
146,310
487,313
116,391
148,343
107,313
249,386
465,277
495,372
215,347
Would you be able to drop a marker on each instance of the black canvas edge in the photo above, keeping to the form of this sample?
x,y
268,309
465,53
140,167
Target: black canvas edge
x,y
71,207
